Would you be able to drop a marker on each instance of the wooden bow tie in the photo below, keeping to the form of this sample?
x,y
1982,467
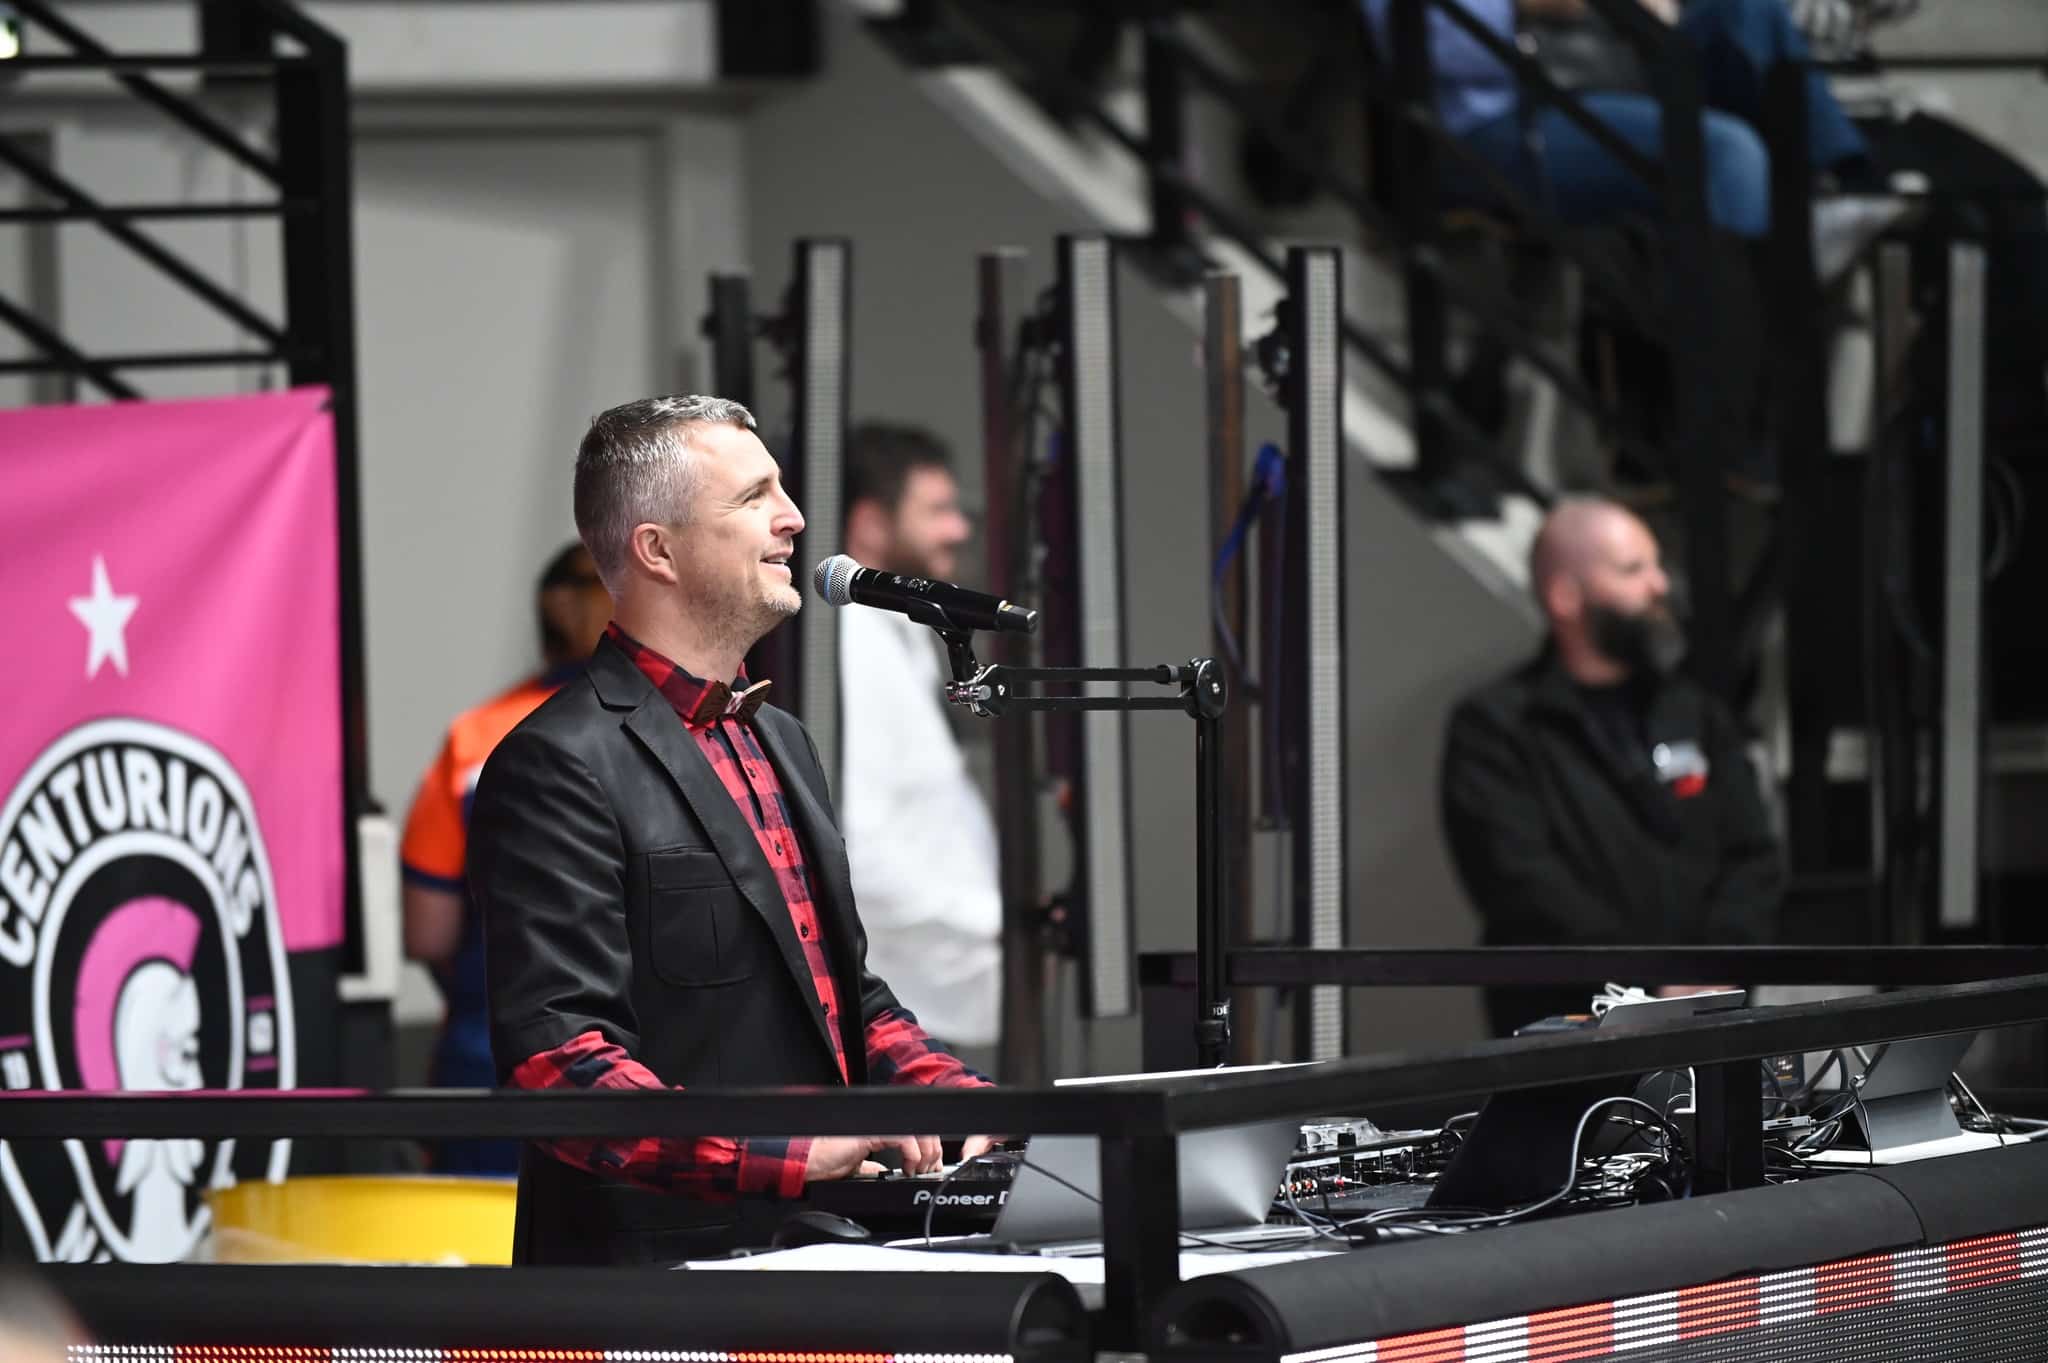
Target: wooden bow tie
x,y
721,701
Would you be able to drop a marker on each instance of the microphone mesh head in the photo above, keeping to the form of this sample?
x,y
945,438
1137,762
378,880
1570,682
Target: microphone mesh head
x,y
834,579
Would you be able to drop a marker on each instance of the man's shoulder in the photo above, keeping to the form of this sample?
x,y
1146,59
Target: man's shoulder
x,y
572,720
473,733
1508,697
786,726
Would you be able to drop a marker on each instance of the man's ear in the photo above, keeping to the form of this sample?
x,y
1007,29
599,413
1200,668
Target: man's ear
x,y
651,550
869,529
1564,598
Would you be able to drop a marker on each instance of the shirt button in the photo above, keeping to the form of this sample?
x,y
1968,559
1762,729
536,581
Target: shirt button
x,y
803,930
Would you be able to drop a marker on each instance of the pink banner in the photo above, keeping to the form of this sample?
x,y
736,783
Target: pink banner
x,y
174,564
170,782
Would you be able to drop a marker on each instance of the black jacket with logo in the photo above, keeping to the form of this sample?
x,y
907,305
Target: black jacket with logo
x,y
1564,835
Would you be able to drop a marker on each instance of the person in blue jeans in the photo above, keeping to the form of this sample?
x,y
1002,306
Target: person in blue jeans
x,y
1553,161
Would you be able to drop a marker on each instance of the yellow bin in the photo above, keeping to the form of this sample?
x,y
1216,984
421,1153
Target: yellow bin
x,y
360,1218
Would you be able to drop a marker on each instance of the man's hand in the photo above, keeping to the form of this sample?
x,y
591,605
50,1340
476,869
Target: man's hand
x,y
920,1153
844,1156
841,1157
977,1145
1680,991
1667,10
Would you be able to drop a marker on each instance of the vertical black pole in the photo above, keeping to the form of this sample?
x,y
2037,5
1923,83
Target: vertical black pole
x,y
729,326
1165,137
1803,453
1702,417
821,311
1729,1114
1415,206
1140,1220
1896,672
1223,386
313,140
1022,1059
1206,697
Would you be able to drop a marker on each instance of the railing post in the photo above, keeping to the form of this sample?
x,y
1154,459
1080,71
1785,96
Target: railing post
x,y
313,153
1415,209
1002,297
1702,414
1728,1112
1895,763
1140,1163
1804,448
1223,392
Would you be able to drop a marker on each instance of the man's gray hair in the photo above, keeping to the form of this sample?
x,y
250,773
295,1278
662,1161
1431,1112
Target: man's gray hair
x,y
635,465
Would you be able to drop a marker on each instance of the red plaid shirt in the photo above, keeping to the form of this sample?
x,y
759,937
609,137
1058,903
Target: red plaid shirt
x,y
898,1050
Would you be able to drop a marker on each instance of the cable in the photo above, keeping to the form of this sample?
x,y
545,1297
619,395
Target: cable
x,y
1863,1115
1827,1127
1444,1221
1321,1225
1976,1102
1804,1093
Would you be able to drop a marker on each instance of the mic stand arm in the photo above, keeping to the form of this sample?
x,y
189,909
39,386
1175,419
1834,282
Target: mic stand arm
x,y
1202,695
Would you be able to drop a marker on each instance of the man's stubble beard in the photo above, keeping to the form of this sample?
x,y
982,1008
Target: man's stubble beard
x,y
750,615
770,609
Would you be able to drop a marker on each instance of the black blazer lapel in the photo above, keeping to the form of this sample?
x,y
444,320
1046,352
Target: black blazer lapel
x,y
657,727
782,738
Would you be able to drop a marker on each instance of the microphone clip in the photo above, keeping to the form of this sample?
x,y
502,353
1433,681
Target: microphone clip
x,y
973,685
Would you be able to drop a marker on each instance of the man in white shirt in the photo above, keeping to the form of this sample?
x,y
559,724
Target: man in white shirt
x,y
919,837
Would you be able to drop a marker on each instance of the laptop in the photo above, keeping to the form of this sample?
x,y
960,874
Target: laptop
x,y
1904,1113
1228,1179
1644,1012
1522,1139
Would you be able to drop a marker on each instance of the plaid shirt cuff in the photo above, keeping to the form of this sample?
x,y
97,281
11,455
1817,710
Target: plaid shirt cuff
x,y
714,1168
902,1052
774,1168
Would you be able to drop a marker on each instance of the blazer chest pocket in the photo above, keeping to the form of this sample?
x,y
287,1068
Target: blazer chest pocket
x,y
701,929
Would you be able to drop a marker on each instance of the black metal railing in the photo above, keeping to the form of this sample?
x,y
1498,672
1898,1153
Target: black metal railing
x,y
307,176
1136,1124
1900,789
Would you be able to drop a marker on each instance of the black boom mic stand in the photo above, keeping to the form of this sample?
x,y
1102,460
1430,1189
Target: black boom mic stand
x,y
991,690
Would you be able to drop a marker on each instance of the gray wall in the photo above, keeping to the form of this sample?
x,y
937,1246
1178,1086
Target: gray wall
x,y
2008,107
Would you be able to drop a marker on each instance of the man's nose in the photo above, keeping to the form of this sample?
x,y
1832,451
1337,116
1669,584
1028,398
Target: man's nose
x,y
791,521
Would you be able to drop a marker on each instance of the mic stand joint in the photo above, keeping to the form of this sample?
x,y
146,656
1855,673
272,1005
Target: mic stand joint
x,y
1202,695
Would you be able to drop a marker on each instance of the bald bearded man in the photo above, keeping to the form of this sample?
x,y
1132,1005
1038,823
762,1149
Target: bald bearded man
x,y
1596,796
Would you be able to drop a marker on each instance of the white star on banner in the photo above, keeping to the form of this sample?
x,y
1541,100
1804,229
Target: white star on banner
x,y
105,615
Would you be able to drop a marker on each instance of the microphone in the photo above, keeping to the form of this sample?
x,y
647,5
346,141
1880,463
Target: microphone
x,y
842,581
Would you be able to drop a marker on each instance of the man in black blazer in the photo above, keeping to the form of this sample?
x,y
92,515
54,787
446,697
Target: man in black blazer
x,y
663,887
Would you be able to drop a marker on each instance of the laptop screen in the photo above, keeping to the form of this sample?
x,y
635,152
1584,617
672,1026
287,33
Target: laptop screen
x,y
1228,1179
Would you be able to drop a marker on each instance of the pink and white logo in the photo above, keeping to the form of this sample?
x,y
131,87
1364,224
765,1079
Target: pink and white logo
x,y
156,962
